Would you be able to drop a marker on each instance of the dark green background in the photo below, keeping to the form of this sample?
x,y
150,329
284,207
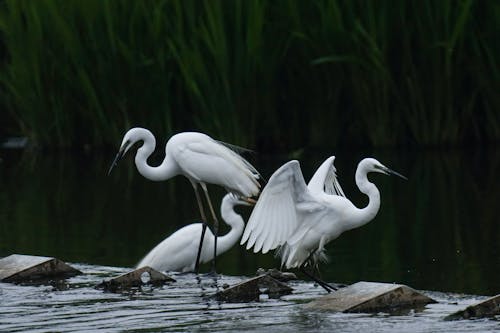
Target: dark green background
x,y
412,83
269,75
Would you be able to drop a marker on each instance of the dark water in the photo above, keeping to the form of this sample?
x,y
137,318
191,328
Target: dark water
x,y
437,231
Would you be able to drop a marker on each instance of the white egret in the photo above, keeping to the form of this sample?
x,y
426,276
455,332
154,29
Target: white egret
x,y
178,252
201,159
302,219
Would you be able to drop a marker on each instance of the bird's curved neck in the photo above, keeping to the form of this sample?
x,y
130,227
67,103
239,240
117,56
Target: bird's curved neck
x,y
366,214
235,221
166,170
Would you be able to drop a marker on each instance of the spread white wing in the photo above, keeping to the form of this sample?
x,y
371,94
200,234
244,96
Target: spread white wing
x,y
325,179
274,217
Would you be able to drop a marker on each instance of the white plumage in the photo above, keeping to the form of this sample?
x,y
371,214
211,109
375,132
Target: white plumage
x,y
201,159
303,219
178,251
197,156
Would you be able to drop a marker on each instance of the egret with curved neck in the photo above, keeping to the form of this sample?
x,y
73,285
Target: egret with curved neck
x,y
301,219
178,252
202,160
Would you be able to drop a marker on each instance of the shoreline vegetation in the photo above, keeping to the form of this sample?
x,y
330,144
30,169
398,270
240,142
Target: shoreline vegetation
x,y
261,74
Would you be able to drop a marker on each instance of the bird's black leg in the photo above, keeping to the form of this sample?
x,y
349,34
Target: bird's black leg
x,y
322,283
309,258
216,225
326,286
204,228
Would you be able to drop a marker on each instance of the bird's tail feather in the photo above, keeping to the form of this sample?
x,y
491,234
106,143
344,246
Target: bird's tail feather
x,y
239,151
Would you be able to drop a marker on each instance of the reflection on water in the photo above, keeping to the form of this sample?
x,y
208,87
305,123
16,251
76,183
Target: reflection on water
x,y
437,231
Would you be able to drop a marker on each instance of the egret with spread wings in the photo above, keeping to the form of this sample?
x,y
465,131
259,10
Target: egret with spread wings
x,y
301,219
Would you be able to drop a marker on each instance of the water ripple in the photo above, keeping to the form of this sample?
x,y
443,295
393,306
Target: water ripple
x,y
186,306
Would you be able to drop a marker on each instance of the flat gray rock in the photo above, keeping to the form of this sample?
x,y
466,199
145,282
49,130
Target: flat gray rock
x,y
484,309
250,290
24,268
370,297
136,278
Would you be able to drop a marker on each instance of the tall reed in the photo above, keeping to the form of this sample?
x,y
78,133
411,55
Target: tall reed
x,y
225,64
284,74
80,71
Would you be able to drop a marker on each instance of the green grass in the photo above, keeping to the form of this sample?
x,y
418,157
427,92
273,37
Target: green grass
x,y
272,75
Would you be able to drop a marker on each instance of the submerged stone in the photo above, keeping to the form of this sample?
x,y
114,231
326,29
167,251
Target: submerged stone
x,y
250,290
136,278
18,268
277,274
484,309
371,297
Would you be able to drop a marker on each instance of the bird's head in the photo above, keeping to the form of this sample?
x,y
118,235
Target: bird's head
x,y
372,165
132,136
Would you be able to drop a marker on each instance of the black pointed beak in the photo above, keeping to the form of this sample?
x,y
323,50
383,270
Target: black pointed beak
x,y
392,172
117,159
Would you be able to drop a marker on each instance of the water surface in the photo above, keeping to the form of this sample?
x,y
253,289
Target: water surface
x,y
186,305
437,231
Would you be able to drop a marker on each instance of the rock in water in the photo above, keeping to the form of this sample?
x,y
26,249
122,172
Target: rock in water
x,y
19,268
250,290
370,297
484,309
136,278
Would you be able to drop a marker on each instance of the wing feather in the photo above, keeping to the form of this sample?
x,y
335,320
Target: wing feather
x,y
332,185
236,152
280,233
254,231
268,239
317,182
263,232
275,229
274,217
199,158
314,211
325,179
